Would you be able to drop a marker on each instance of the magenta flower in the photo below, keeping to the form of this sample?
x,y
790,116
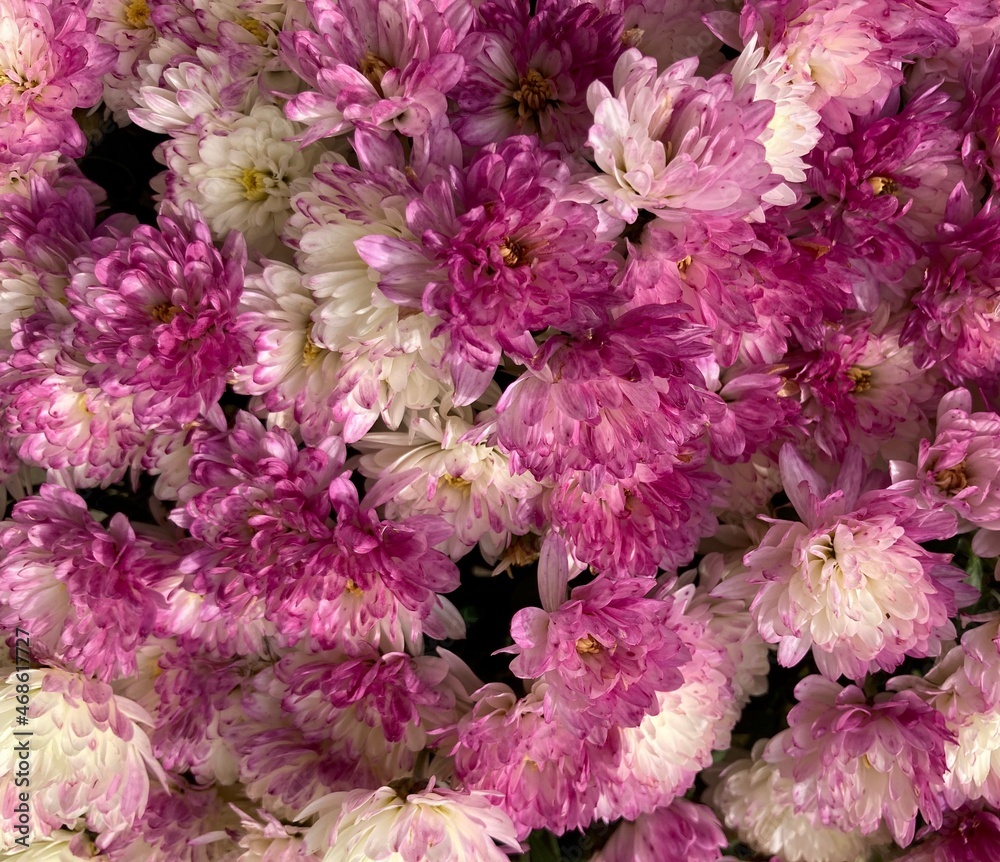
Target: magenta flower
x,y
850,581
52,63
395,692
527,71
627,395
500,254
692,831
968,835
157,317
858,762
604,654
546,773
87,592
388,65
952,323
635,526
959,470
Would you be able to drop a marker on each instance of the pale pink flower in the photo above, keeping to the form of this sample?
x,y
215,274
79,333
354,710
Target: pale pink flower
x,y
849,581
859,762
691,831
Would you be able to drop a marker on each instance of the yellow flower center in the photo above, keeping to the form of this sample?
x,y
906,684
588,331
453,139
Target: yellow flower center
x,y
448,481
254,28
883,186
353,589
374,68
588,646
137,14
512,252
534,90
310,352
953,479
684,264
254,186
164,312
861,378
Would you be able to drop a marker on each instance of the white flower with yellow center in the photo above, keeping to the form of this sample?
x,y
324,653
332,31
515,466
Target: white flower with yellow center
x,y
239,173
90,757
468,484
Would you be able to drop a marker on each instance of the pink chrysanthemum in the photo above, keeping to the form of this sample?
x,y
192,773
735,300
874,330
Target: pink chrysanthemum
x,y
502,256
93,757
51,64
86,591
959,470
388,66
625,396
953,323
850,581
859,762
546,773
635,526
156,316
968,835
677,143
691,831
528,71
851,51
604,653
862,388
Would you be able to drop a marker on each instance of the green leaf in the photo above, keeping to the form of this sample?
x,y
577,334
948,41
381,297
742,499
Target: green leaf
x,y
543,847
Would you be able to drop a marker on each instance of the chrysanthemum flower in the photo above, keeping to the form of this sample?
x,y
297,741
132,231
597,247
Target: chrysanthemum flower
x,y
528,71
50,64
605,653
691,831
967,835
175,825
759,804
91,758
793,130
87,591
61,846
238,170
293,377
676,142
468,484
270,840
858,763
128,28
546,773
497,254
959,470
157,315
861,387
953,322
670,30
627,395
660,758
383,66
850,581
401,824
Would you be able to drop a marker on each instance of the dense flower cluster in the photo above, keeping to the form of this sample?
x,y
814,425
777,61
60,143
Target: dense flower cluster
x,y
492,411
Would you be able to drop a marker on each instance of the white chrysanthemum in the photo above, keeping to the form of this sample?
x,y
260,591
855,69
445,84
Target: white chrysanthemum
x,y
794,129
128,27
19,287
90,758
386,825
757,803
468,484
239,174
60,846
396,366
